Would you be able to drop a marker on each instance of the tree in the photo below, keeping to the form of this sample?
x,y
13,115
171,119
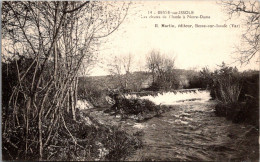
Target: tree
x,y
55,39
120,67
226,83
162,69
251,10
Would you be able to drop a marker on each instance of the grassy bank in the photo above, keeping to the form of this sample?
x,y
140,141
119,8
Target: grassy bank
x,y
79,141
33,126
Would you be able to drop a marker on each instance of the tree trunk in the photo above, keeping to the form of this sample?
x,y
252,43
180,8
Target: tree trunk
x,y
72,98
28,105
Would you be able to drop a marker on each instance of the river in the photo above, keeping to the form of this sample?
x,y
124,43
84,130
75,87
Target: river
x,y
190,131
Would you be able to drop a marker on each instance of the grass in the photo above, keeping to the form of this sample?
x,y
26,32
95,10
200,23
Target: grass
x,y
93,143
78,141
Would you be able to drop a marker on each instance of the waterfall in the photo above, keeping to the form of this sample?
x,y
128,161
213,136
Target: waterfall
x,y
176,97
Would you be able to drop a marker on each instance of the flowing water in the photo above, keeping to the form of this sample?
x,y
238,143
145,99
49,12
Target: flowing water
x,y
190,131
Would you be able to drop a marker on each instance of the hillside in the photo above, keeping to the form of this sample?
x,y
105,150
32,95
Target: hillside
x,y
137,80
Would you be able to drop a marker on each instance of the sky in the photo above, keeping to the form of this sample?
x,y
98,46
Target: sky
x,y
193,48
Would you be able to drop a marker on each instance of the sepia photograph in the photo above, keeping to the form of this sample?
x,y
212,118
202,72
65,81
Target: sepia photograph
x,y
130,80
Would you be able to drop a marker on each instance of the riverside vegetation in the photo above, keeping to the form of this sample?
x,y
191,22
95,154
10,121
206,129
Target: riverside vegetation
x,y
48,45
236,93
74,140
235,96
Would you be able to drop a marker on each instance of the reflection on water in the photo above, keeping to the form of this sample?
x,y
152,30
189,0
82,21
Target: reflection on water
x,y
192,132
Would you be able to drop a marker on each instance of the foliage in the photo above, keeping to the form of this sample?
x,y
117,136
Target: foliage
x,y
10,78
139,80
137,109
250,88
121,68
196,82
46,45
76,141
95,88
162,69
93,141
237,92
225,83
137,106
195,79
240,112
93,91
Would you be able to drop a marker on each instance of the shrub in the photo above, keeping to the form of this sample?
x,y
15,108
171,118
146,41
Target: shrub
x,y
92,91
10,80
137,106
196,82
238,94
60,145
250,86
14,111
91,143
228,89
225,84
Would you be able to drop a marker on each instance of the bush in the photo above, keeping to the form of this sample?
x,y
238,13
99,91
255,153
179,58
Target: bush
x,y
95,143
238,94
10,80
137,106
14,111
250,86
92,143
60,146
239,112
92,91
196,82
142,109
226,85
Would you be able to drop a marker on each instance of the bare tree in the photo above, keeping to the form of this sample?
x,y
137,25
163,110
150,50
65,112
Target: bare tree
x,y
251,10
153,60
121,68
162,69
56,39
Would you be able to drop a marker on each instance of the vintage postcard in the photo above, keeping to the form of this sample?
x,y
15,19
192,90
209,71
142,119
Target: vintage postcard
x,y
130,80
